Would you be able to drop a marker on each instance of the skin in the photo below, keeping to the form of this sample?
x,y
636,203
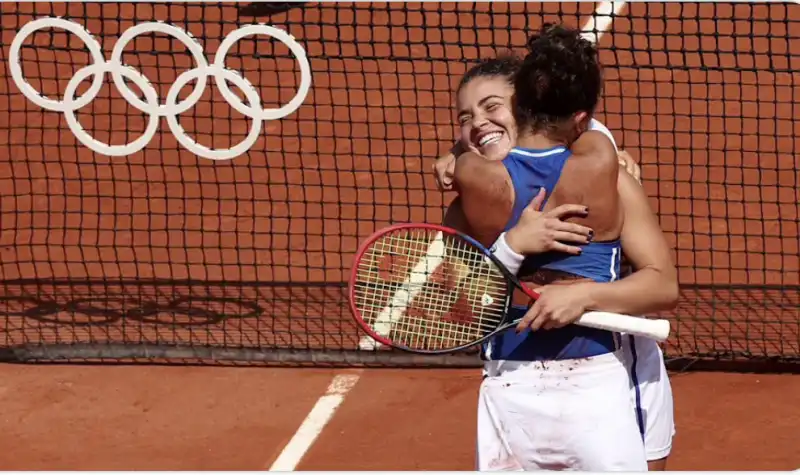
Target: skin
x,y
485,187
484,108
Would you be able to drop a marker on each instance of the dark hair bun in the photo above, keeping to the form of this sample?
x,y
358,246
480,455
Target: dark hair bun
x,y
559,77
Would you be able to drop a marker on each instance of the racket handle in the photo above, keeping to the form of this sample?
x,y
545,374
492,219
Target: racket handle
x,y
650,328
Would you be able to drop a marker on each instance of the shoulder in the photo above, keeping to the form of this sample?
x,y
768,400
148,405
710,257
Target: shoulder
x,y
598,126
594,149
469,161
474,170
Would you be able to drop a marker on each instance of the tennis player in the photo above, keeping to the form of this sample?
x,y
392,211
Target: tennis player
x,y
641,235
487,127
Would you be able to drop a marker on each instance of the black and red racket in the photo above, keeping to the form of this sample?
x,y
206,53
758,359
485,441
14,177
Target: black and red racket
x,y
430,289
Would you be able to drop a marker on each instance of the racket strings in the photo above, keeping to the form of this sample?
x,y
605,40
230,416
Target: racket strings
x,y
428,291
417,289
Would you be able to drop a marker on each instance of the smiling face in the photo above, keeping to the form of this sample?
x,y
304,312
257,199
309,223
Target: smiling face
x,y
485,116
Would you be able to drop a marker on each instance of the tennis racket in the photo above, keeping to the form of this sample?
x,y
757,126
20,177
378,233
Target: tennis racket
x,y
430,289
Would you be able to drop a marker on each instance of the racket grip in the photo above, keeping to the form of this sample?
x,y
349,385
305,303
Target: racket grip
x,y
656,329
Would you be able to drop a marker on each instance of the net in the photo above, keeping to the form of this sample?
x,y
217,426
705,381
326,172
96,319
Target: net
x,y
159,253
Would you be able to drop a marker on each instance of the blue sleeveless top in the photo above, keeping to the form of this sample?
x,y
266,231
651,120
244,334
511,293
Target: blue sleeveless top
x,y
531,170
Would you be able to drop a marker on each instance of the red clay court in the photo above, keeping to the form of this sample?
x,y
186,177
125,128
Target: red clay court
x,y
233,271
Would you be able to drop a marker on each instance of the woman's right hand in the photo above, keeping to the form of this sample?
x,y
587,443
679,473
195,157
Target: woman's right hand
x,y
537,232
443,171
627,162
445,166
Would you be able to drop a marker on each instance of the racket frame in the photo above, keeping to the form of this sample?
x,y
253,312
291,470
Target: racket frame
x,y
511,280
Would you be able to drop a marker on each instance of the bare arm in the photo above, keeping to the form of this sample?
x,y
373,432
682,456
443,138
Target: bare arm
x,y
454,217
486,195
654,285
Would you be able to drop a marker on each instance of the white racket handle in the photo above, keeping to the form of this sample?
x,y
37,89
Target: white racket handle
x,y
647,327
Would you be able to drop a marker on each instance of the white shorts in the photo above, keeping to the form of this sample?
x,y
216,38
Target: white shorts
x,y
558,415
651,394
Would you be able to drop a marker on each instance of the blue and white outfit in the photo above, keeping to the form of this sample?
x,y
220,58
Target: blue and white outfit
x,y
558,399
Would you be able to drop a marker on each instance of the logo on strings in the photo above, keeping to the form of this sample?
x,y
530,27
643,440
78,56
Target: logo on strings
x,y
151,104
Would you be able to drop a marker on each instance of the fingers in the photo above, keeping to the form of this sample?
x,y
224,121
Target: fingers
x,y
631,167
637,172
446,182
439,184
551,324
443,171
529,317
567,236
567,210
561,247
573,228
625,160
442,183
547,232
538,200
532,319
538,317
561,317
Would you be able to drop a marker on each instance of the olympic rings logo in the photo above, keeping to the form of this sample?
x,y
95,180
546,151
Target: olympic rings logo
x,y
151,104
183,311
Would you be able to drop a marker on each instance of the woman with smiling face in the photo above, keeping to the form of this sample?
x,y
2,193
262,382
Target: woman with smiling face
x,y
487,126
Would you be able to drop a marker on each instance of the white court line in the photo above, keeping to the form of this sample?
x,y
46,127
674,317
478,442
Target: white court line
x,y
312,426
599,23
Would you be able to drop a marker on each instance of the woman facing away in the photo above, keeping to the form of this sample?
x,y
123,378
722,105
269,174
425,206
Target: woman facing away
x,y
549,123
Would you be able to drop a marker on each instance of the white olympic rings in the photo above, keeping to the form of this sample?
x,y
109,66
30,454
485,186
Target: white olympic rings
x,y
151,105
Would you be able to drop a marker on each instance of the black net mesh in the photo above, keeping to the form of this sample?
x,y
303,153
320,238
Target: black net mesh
x,y
164,254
